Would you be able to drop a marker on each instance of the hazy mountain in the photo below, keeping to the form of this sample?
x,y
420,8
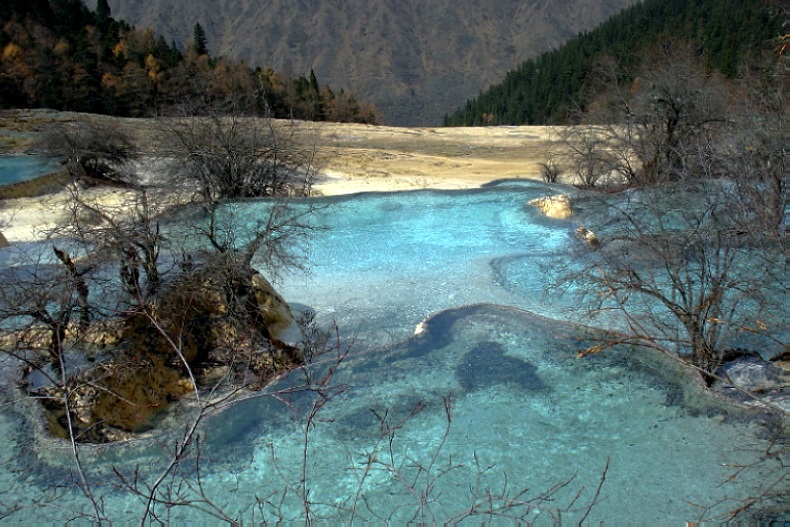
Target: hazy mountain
x,y
414,59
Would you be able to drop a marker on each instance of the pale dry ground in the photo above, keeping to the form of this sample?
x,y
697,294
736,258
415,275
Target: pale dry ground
x,y
30,219
361,158
352,158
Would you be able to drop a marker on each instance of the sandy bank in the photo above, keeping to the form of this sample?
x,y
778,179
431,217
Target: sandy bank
x,y
32,219
361,158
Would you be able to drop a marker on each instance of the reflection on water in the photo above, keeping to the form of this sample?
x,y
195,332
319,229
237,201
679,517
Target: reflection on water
x,y
484,397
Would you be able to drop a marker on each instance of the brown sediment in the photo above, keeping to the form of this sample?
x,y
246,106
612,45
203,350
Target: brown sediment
x,y
33,188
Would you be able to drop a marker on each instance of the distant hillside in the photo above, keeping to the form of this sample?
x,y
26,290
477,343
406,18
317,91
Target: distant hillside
x,y
542,90
413,59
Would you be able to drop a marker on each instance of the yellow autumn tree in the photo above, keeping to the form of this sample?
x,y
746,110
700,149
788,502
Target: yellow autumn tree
x,y
153,69
14,64
121,50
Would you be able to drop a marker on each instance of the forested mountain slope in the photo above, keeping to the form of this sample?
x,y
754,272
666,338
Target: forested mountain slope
x,y
551,87
60,54
413,59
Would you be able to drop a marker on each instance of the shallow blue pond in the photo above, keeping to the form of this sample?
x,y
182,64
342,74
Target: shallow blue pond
x,y
14,169
462,391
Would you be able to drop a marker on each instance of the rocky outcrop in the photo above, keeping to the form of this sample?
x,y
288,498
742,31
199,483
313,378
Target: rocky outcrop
x,y
588,236
557,207
753,381
186,340
3,241
273,308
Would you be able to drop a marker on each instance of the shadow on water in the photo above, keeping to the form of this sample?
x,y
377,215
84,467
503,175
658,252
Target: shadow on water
x,y
487,365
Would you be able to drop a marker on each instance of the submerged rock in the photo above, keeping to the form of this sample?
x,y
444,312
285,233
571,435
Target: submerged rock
x,y
557,207
754,382
588,236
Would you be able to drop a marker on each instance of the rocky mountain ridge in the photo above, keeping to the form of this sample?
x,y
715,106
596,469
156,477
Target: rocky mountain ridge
x,y
414,60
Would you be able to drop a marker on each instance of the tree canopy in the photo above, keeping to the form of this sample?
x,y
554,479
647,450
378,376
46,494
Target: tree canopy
x,y
199,40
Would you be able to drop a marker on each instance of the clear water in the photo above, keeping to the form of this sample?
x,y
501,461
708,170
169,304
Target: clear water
x,y
470,267
389,261
14,169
